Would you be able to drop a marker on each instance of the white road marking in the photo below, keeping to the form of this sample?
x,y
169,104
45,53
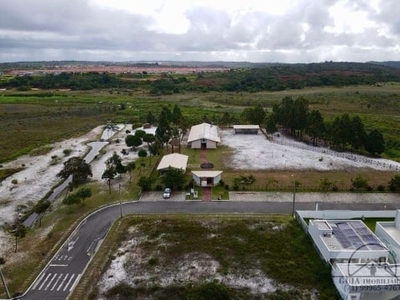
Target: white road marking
x,y
69,281
48,275
55,283
51,280
62,282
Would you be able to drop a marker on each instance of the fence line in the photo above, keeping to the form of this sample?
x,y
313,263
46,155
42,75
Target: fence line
x,y
387,165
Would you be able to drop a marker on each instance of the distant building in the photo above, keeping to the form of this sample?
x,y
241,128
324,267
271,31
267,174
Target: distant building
x,y
204,136
246,129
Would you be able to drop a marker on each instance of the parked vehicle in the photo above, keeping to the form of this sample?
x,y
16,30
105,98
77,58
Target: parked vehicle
x,y
167,193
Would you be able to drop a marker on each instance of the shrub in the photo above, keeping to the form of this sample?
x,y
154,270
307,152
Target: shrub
x,y
380,188
359,183
67,152
14,181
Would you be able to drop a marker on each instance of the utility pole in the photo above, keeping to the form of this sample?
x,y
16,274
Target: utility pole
x,y
5,284
294,196
120,200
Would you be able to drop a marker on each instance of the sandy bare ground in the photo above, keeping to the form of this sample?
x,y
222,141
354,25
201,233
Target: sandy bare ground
x,y
251,152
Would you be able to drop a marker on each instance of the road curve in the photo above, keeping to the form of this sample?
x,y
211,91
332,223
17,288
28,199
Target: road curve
x,y
60,276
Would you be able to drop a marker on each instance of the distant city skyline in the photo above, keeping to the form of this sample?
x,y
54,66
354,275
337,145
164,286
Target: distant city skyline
x,y
287,31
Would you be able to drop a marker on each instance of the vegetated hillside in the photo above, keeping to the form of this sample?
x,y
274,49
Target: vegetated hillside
x,y
393,64
260,77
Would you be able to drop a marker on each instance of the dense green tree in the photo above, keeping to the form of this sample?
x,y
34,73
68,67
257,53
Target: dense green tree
x,y
163,128
374,142
357,133
176,115
339,132
84,193
109,174
315,126
300,115
133,140
140,133
284,114
270,125
78,169
174,178
142,153
146,183
41,206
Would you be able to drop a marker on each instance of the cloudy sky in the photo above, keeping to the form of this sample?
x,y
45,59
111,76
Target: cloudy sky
x,y
200,30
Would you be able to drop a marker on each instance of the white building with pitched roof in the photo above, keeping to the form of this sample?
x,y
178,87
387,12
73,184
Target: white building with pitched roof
x,y
174,160
204,136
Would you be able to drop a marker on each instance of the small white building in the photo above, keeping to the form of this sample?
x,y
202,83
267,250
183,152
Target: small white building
x,y
246,129
204,136
207,178
174,160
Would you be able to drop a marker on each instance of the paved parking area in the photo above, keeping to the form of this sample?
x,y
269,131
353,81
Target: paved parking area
x,y
158,196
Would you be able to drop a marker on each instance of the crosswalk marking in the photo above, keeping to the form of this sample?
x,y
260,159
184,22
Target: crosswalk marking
x,y
37,281
62,282
55,282
51,280
58,279
48,275
69,281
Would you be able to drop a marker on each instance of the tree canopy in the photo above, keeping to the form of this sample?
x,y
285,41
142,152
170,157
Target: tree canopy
x,y
78,169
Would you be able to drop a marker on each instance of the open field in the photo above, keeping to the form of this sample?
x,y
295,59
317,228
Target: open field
x,y
34,121
156,257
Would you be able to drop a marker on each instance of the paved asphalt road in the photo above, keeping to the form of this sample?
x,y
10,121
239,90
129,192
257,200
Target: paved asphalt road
x,y
63,272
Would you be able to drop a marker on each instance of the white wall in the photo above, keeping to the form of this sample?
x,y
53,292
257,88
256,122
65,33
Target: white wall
x,y
345,214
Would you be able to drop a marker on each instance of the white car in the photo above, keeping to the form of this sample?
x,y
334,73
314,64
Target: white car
x,y
167,193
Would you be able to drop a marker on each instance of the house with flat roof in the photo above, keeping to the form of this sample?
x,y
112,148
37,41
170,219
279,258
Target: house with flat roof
x,y
363,266
341,241
204,136
174,160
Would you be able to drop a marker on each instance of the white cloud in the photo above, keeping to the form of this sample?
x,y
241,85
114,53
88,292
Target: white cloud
x,y
253,30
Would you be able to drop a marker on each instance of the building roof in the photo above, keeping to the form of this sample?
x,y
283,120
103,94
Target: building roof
x,y
348,235
204,131
246,127
174,160
207,174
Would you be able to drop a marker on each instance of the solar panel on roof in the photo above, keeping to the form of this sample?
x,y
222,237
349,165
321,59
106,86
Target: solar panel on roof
x,y
341,237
